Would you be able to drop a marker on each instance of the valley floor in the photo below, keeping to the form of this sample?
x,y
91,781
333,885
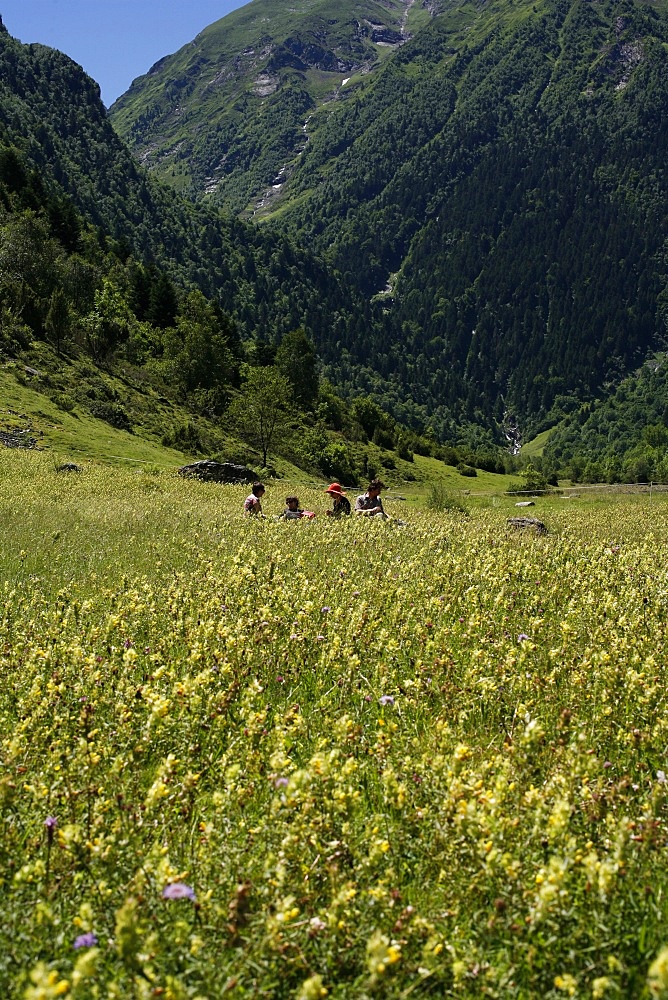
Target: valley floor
x,y
347,759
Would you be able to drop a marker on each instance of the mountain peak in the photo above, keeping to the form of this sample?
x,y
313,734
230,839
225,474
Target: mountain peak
x,y
195,116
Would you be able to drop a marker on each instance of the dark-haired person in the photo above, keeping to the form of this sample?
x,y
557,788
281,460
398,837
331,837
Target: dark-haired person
x,y
292,510
341,501
252,504
369,504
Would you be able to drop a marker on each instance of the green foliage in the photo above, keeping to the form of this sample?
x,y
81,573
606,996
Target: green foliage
x,y
441,499
198,354
57,322
186,437
163,303
623,438
494,187
531,481
296,360
113,413
107,326
466,470
332,457
482,209
262,411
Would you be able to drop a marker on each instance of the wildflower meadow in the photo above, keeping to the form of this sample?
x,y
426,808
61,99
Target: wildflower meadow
x,y
340,759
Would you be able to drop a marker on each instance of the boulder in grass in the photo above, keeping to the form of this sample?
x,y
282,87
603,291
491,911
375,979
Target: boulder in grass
x,y
218,472
68,467
532,523
525,503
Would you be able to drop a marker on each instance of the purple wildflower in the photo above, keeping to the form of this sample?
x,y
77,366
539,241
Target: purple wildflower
x,y
51,822
178,890
128,644
281,783
88,940
386,699
325,610
523,637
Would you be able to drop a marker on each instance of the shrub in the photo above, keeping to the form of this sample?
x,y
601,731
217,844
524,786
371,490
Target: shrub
x,y
113,413
466,470
531,481
441,499
184,437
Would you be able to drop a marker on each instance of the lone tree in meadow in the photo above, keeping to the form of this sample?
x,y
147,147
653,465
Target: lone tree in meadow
x,y
262,411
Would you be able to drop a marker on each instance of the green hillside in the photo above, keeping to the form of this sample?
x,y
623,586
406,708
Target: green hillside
x,y
51,112
494,187
506,204
622,437
225,116
474,235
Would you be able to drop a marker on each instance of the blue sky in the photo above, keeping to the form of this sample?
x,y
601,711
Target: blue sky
x,y
114,40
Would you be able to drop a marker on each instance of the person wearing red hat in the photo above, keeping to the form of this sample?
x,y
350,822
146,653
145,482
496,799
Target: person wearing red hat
x,y
341,502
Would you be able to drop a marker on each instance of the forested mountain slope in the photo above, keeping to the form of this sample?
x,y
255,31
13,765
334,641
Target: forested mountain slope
x,y
521,219
621,438
51,112
497,185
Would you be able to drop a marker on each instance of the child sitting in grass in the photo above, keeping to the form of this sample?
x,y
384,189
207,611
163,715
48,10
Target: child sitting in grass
x,y
252,504
292,511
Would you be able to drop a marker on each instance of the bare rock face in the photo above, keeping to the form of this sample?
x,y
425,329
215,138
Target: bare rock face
x,y
531,523
218,472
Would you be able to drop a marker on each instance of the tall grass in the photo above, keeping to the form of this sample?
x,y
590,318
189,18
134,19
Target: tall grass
x,y
351,759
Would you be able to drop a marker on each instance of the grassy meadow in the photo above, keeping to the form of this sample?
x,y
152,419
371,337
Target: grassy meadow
x,y
347,760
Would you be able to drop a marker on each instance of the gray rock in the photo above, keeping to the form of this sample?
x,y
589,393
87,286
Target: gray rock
x,y
18,439
69,467
525,503
218,472
532,523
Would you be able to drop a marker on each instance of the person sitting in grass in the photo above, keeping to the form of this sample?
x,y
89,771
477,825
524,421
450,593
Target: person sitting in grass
x,y
369,504
252,504
341,501
292,511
